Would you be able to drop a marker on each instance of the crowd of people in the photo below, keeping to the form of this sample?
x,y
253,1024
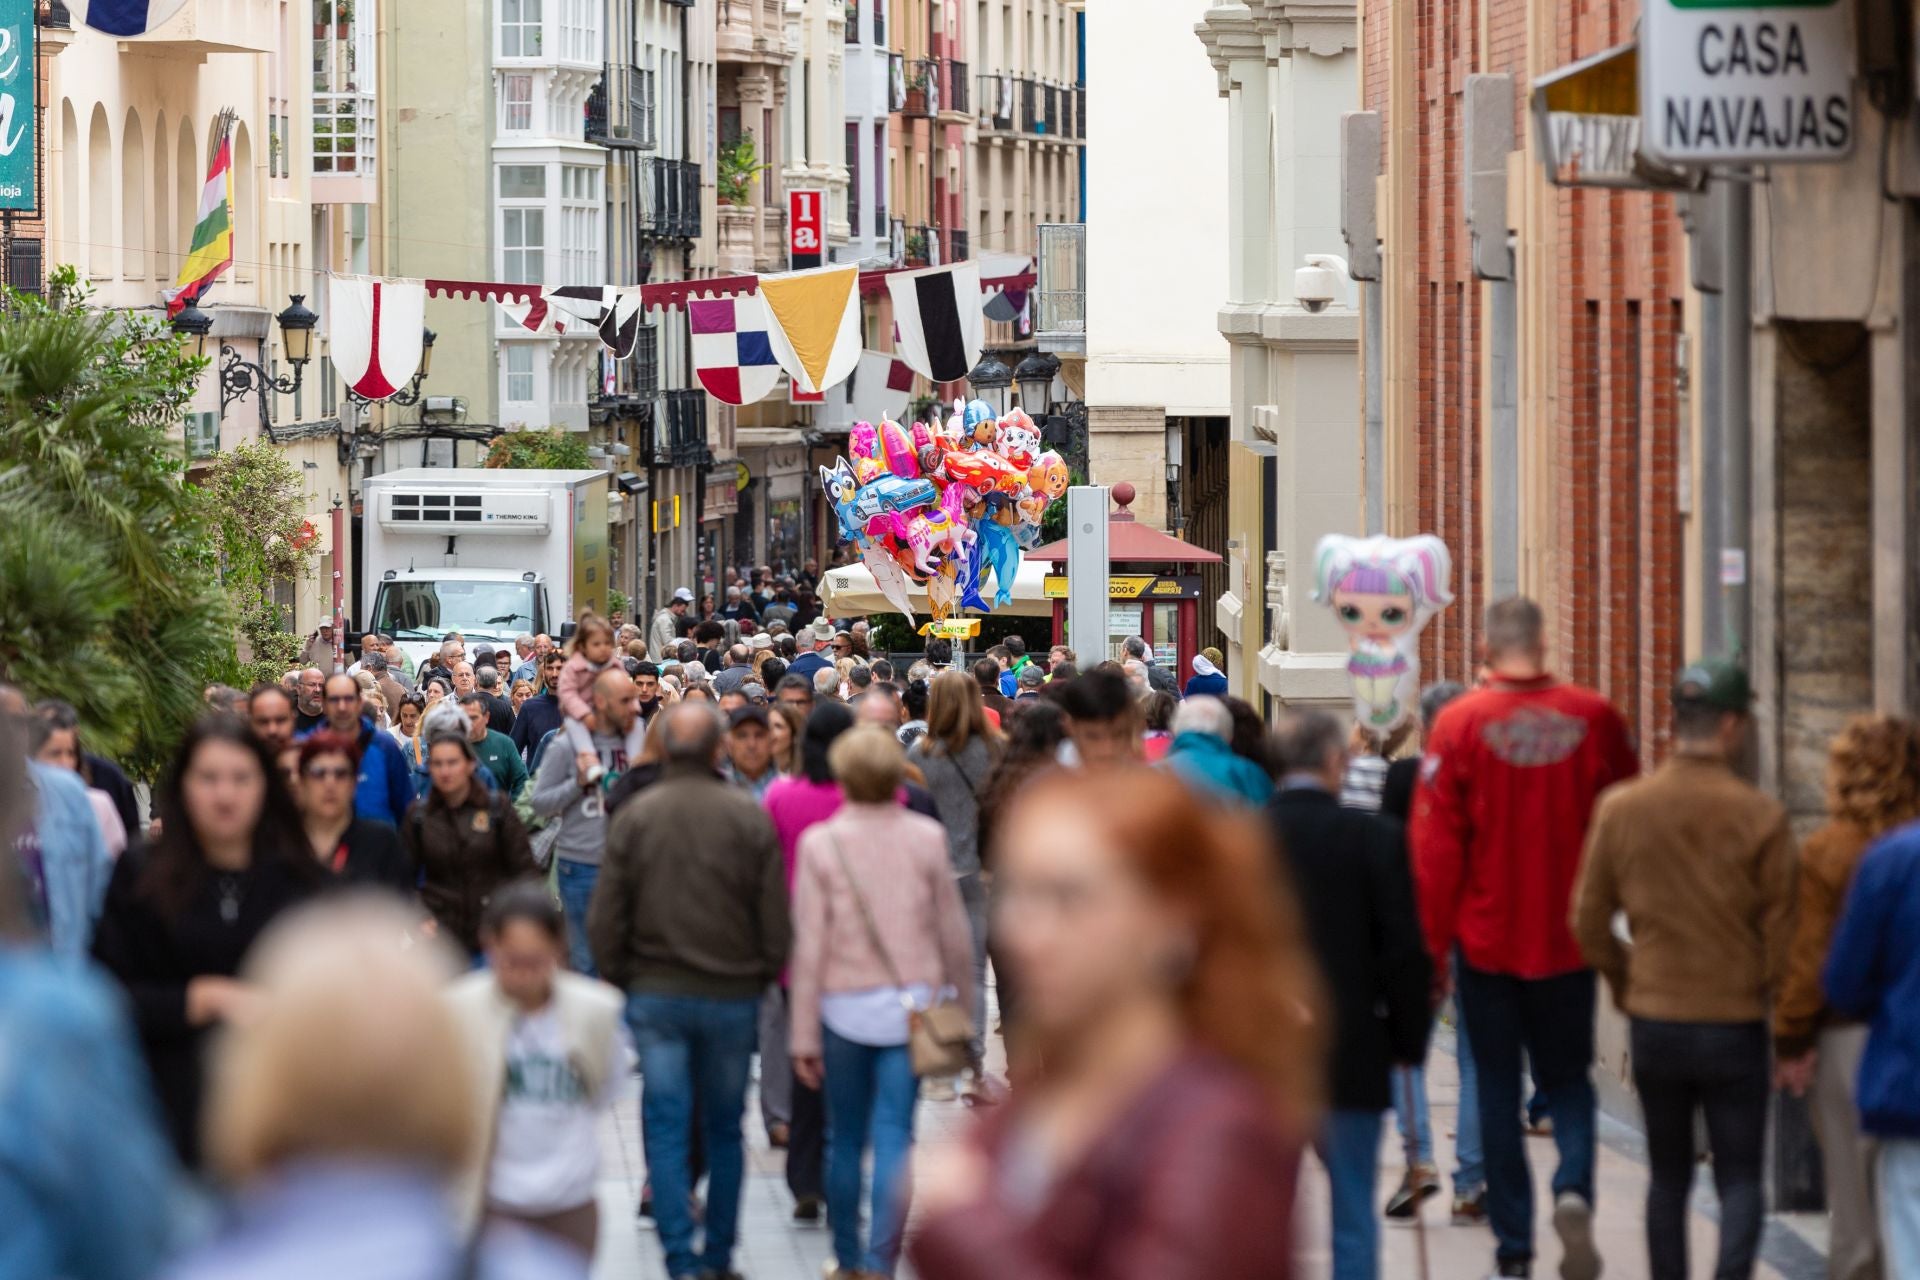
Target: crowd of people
x,y
395,936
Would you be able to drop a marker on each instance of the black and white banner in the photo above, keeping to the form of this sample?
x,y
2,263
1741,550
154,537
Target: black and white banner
x,y
937,313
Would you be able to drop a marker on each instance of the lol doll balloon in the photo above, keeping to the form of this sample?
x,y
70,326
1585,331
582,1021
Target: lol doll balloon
x,y
1384,591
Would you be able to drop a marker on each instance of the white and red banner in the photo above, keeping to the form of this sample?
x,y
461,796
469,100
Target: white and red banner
x,y
374,328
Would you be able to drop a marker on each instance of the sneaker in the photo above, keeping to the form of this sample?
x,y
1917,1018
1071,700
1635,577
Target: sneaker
x,y
1470,1210
807,1209
1421,1183
1573,1221
1540,1126
1511,1269
645,1212
941,1090
778,1136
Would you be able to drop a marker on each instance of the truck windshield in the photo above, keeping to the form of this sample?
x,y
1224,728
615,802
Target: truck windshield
x,y
428,610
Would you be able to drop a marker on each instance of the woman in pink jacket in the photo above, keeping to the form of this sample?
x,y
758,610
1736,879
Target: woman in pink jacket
x,y
878,927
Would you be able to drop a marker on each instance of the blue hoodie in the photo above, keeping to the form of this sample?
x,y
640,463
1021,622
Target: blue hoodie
x,y
1873,973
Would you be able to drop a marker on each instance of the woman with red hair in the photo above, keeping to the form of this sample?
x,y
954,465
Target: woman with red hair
x,y
1168,995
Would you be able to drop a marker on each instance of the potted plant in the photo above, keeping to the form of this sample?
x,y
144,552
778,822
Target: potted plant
x,y
736,166
916,246
343,15
322,18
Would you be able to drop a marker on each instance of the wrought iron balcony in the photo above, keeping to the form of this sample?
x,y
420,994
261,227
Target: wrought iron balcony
x,y
956,245
686,436
999,101
1060,295
671,192
922,246
955,98
923,88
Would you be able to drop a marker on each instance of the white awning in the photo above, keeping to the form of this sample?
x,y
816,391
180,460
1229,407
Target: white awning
x,y
850,591
766,437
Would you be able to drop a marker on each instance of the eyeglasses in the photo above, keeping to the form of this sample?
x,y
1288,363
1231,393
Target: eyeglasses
x,y
330,773
344,699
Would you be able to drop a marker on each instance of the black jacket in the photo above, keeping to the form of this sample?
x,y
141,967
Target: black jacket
x,y
1396,797
154,951
1350,871
370,854
107,776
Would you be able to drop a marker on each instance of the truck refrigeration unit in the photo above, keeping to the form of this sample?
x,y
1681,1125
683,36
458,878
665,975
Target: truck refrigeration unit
x,y
488,553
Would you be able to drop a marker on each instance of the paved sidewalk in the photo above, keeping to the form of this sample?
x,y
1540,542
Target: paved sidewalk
x,y
773,1248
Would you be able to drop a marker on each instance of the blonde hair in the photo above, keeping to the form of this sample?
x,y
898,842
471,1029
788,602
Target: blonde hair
x,y
868,764
353,1052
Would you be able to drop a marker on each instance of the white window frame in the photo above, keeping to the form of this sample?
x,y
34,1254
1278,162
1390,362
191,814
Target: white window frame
x,y
582,206
514,19
512,353
516,113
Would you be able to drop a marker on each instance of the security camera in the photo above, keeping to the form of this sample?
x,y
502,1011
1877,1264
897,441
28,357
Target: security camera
x,y
1321,282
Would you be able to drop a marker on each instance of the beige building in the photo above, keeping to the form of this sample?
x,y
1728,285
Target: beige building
x,y
129,135
1030,112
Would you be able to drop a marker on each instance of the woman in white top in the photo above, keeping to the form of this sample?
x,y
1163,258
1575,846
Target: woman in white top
x,y
549,1050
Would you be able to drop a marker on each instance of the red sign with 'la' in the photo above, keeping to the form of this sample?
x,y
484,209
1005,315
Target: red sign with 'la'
x,y
806,228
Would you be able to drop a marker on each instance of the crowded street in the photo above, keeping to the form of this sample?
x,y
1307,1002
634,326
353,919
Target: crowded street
x,y
959,640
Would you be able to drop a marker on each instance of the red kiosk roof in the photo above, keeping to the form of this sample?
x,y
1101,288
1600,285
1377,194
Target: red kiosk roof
x,y
1130,542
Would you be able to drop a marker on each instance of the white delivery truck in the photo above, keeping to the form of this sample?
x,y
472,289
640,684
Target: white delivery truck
x,y
488,553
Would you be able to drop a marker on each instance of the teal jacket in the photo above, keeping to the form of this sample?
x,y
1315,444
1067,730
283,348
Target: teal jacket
x,y
74,859
1208,764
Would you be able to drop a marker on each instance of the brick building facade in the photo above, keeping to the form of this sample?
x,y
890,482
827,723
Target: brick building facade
x,y
1591,353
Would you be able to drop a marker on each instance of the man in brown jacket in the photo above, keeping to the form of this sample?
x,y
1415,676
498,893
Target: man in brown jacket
x,y
1701,865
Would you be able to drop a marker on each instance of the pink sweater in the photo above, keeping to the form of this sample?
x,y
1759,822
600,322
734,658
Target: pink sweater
x,y
900,860
576,686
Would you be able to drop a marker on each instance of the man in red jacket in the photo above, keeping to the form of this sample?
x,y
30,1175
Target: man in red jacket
x,y
1507,786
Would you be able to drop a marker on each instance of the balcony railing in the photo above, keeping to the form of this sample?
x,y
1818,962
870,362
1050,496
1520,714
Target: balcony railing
x,y
595,129
955,97
631,130
1050,108
1029,105
1060,295
923,87
998,101
923,246
1066,112
956,245
642,370
671,190
1080,111
686,436
896,82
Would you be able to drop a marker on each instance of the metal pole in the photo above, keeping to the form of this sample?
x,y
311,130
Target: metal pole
x,y
1736,506
339,587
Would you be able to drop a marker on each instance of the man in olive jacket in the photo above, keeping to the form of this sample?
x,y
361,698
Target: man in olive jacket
x,y
690,918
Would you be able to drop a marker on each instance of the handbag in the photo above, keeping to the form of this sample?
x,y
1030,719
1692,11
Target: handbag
x,y
937,1036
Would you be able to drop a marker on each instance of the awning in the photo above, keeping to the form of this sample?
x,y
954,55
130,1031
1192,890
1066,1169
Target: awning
x,y
851,591
767,437
1587,120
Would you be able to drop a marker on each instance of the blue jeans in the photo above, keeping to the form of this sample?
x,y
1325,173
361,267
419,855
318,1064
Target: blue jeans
x,y
870,1094
1469,1162
1349,1146
692,1044
1416,1126
576,881
1900,1204
1552,1020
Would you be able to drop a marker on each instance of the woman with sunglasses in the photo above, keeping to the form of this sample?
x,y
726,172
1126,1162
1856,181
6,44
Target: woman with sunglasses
x,y
356,851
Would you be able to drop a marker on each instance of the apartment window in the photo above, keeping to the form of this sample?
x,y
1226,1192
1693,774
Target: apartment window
x,y
329,388
520,28
523,182
519,361
853,174
523,239
580,214
516,102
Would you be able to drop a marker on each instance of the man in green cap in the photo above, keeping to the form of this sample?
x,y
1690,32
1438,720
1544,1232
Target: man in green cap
x,y
1701,865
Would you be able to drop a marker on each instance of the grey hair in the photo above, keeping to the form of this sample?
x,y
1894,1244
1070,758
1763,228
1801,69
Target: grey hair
x,y
1136,648
446,717
486,676
1435,697
1306,738
1204,715
826,681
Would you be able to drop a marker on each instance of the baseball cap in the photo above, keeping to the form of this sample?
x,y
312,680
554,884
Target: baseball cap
x,y
1030,677
1714,682
750,712
682,594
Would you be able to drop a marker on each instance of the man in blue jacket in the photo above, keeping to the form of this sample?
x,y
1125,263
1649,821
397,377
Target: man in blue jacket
x,y
1873,974
385,788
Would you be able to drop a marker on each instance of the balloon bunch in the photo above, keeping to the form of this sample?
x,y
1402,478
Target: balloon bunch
x,y
949,505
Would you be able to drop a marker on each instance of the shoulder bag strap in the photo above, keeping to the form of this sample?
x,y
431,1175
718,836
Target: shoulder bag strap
x,y
866,912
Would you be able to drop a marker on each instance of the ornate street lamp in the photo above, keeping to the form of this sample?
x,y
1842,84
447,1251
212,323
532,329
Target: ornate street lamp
x,y
240,377
1035,375
990,380
193,324
411,395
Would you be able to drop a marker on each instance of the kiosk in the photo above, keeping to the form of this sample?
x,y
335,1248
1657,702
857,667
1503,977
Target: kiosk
x,y
1152,591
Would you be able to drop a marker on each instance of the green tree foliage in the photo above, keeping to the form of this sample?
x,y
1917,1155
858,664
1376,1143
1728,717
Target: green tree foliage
x,y
256,505
109,588
553,450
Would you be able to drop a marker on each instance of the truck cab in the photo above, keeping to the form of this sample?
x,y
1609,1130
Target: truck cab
x,y
419,606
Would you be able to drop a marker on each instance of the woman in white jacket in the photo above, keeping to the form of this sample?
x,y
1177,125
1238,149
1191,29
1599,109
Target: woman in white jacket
x,y
549,1049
